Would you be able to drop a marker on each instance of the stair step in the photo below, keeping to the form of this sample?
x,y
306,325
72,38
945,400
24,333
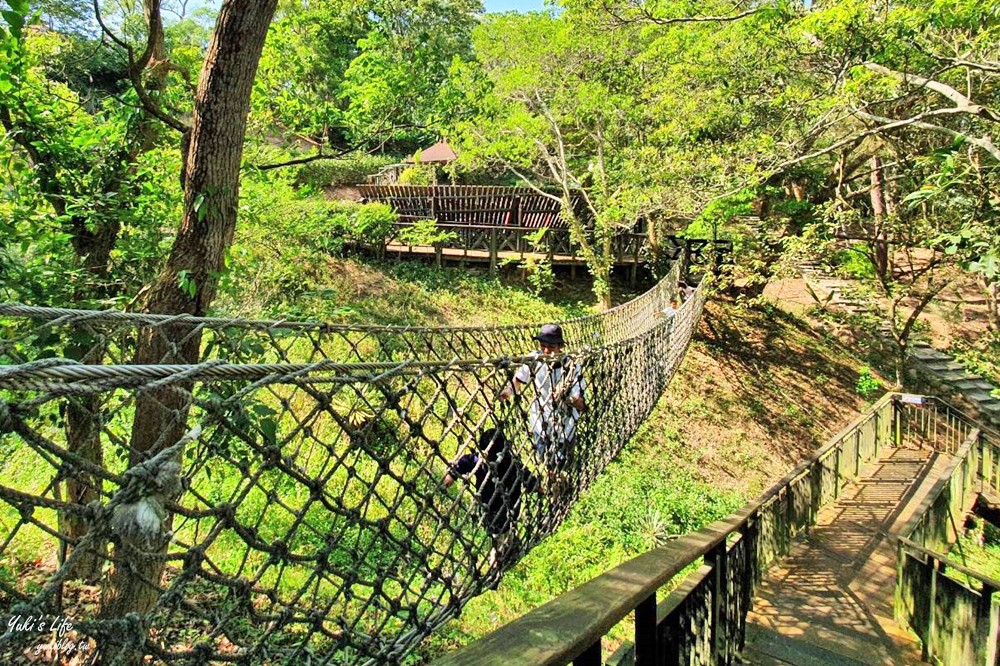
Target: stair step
x,y
953,376
758,658
975,385
943,366
980,397
925,353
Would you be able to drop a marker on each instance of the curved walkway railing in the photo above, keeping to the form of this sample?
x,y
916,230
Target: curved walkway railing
x,y
196,489
493,243
953,610
703,620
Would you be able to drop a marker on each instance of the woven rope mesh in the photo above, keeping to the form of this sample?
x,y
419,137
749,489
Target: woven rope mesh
x,y
283,498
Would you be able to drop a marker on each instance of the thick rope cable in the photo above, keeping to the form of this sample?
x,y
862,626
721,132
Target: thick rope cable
x,y
341,490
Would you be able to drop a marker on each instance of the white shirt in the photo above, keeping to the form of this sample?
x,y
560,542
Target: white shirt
x,y
553,415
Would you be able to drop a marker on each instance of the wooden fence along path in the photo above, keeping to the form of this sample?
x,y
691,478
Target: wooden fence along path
x,y
492,224
842,562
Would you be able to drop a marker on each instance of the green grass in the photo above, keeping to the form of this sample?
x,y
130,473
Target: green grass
x,y
979,549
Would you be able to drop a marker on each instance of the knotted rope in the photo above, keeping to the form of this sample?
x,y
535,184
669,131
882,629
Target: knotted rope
x,y
305,515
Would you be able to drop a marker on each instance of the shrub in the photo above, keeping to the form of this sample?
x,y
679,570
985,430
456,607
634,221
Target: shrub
x,y
369,224
417,175
284,241
426,232
348,171
867,385
854,265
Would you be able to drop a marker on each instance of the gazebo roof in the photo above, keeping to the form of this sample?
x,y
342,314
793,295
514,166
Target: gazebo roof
x,y
440,152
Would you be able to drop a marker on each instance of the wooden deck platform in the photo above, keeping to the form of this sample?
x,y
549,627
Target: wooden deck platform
x,y
830,601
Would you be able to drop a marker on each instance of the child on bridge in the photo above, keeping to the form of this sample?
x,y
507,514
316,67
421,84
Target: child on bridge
x,y
500,479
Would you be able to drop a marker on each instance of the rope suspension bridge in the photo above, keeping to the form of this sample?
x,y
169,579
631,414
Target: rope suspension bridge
x,y
204,489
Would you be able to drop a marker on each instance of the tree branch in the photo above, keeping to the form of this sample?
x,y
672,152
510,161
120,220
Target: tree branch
x,y
135,68
962,103
985,142
646,16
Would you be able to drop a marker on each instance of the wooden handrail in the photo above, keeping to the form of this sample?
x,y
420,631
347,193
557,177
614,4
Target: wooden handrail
x,y
950,564
943,482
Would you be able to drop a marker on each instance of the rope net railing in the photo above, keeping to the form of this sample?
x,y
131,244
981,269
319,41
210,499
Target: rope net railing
x,y
194,490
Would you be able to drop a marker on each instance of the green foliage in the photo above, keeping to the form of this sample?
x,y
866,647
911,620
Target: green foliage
x,y
417,175
979,549
981,357
86,196
854,264
368,224
350,170
361,72
541,277
867,385
426,232
284,241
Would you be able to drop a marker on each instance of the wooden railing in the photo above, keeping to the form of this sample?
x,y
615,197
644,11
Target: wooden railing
x,y
473,204
491,242
952,609
703,620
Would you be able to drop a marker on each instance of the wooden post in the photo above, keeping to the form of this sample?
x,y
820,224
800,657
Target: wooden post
x,y
985,640
493,250
515,211
645,632
990,633
718,560
634,273
878,429
591,656
438,252
857,454
937,566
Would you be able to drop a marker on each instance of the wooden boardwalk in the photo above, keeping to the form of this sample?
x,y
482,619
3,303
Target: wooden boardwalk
x,y
830,601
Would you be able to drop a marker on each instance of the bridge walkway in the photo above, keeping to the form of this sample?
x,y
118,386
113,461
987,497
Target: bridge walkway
x,y
830,601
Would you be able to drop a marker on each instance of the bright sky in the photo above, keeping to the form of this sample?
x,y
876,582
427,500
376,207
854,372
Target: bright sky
x,y
518,5
491,5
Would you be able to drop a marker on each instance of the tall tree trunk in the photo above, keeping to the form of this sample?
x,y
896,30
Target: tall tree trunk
x,y
82,425
880,212
206,231
991,287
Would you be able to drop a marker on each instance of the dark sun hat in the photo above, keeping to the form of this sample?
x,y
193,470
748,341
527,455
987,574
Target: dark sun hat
x,y
550,334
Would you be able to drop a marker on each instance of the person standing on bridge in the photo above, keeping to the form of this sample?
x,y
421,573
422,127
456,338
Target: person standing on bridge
x,y
686,290
559,402
500,478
